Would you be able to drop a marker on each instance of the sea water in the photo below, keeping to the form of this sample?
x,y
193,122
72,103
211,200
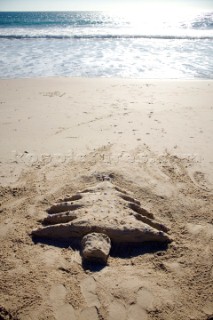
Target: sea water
x,y
98,44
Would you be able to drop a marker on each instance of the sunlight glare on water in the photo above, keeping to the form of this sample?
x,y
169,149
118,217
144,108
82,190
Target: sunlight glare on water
x,y
158,20
148,43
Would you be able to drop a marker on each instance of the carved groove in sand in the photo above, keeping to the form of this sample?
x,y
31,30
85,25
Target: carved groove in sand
x,y
111,215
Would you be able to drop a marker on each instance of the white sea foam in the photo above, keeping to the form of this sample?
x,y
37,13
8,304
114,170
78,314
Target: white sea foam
x,y
88,47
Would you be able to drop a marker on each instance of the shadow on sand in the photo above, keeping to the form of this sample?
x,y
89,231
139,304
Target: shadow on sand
x,y
118,250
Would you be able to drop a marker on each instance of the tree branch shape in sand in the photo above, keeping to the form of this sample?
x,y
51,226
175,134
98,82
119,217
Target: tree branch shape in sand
x,y
99,216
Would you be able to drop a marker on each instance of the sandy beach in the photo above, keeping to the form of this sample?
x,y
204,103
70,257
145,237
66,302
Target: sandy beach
x,y
154,140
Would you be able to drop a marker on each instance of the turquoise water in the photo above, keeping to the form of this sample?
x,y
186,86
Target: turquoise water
x,y
97,44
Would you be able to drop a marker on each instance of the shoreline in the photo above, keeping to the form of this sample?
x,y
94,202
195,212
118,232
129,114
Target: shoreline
x,y
108,78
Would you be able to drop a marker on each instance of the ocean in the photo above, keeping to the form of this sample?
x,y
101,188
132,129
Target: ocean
x,y
98,44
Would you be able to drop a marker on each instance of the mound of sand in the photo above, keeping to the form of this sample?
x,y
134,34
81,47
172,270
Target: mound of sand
x,y
48,280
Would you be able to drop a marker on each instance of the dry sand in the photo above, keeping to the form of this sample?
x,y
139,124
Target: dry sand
x,y
154,138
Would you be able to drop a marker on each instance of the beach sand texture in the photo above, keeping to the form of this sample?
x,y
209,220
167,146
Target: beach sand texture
x,y
154,140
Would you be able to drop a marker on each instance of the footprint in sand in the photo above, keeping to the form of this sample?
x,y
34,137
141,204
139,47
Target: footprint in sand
x,y
137,311
117,310
88,289
88,313
200,180
61,309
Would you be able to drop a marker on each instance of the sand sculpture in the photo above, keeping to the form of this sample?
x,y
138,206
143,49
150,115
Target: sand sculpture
x,y
99,217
